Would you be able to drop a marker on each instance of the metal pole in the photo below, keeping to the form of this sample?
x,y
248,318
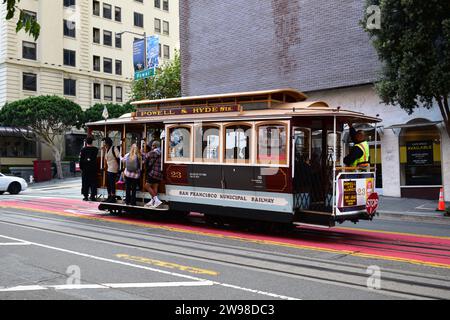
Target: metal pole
x,y
375,160
334,165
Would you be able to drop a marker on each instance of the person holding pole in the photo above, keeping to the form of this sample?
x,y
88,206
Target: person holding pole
x,y
112,158
154,174
88,166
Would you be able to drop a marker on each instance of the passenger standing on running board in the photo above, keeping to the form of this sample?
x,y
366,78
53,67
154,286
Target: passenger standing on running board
x,y
154,174
112,160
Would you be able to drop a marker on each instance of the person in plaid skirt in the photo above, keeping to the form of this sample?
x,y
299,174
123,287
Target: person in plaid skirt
x,y
154,174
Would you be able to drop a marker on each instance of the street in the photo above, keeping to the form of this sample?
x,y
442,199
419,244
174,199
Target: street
x,y
55,246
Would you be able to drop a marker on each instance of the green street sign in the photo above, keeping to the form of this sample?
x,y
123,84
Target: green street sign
x,y
143,74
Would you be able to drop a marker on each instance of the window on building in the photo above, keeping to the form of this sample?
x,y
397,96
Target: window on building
x,y
74,143
97,91
119,67
107,38
118,14
207,143
138,19
107,11
96,63
166,52
29,81
107,65
69,28
272,144
69,58
96,35
119,94
69,3
108,92
237,143
157,25
29,50
16,146
420,155
166,5
30,15
70,87
159,50
96,8
166,28
157,4
118,40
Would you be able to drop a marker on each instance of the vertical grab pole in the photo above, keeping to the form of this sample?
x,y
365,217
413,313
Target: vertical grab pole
x,y
103,156
375,160
334,165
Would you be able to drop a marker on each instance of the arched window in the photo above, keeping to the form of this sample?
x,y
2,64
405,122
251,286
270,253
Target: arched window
x,y
207,143
179,144
238,143
420,154
272,143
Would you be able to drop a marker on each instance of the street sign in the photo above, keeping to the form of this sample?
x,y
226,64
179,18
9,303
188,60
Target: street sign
x,y
143,74
372,203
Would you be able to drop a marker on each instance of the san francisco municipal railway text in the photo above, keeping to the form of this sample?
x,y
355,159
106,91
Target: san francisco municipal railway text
x,y
213,195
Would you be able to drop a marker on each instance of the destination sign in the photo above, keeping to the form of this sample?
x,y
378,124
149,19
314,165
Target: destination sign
x,y
144,113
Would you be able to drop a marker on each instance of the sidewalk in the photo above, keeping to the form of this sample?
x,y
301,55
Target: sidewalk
x,y
419,209
55,182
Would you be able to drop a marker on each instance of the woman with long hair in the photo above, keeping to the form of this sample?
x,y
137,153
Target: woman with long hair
x,y
133,163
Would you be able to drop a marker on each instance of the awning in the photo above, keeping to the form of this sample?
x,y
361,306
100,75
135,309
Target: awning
x,y
414,125
10,132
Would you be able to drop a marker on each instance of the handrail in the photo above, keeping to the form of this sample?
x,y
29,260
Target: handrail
x,y
354,168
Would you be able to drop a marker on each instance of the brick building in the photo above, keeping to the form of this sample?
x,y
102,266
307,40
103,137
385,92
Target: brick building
x,y
317,47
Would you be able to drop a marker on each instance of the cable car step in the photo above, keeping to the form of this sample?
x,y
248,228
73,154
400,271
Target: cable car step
x,y
115,206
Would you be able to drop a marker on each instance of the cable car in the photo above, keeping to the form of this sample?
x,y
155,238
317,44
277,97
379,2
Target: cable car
x,y
271,156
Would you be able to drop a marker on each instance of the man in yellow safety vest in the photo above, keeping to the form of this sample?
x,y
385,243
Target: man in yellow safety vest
x,y
359,154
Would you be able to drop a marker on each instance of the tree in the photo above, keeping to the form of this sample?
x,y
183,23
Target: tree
x,y
166,83
45,118
94,113
413,43
25,21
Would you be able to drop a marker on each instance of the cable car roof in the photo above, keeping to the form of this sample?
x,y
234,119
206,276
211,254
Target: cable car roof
x,y
281,111
286,94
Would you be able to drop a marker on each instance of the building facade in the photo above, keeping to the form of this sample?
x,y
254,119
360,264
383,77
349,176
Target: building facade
x,y
317,47
84,53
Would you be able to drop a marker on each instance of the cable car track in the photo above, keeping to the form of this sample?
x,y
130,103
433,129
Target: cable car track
x,y
304,234
337,268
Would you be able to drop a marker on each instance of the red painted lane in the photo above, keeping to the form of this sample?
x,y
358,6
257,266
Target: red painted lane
x,y
420,249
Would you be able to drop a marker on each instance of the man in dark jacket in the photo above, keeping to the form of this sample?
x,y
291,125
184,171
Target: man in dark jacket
x,y
88,166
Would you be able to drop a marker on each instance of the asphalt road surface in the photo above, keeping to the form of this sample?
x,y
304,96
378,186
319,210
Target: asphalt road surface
x,y
55,246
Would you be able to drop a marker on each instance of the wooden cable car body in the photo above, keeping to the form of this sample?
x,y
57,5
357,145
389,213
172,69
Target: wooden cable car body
x,y
268,155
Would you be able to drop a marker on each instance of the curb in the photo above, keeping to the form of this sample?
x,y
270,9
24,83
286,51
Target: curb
x,y
438,218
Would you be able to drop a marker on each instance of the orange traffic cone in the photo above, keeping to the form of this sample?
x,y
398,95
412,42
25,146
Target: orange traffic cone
x,y
441,205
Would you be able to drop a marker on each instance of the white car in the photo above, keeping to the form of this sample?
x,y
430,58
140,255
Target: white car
x,y
12,184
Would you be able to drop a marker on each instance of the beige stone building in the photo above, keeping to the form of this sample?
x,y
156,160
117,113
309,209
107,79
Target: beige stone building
x,y
84,53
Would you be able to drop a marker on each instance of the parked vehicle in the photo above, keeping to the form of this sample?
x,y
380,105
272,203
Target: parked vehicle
x,y
11,184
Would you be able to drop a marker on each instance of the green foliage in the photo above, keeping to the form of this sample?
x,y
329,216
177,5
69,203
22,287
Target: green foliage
x,y
95,112
29,24
166,83
413,44
47,117
42,114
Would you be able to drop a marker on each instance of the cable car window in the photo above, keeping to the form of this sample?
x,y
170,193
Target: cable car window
x,y
302,139
207,142
237,143
179,144
272,147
